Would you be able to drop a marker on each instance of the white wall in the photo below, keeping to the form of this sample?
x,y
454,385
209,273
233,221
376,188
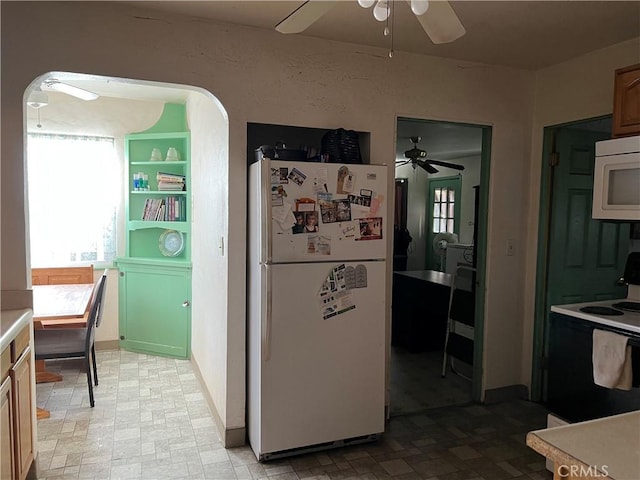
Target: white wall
x,y
262,76
210,191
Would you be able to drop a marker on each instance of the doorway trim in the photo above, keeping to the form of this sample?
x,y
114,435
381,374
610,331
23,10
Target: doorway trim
x,y
478,381
477,388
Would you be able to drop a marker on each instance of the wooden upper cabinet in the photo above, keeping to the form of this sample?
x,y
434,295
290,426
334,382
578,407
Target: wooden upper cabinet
x,y
626,102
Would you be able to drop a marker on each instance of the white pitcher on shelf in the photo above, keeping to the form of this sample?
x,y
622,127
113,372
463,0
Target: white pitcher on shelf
x,y
156,155
172,155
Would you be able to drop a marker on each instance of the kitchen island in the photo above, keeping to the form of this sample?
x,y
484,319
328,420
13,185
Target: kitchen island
x,y
597,449
419,309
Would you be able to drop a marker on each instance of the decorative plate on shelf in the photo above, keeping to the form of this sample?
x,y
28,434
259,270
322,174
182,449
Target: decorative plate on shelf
x,y
171,243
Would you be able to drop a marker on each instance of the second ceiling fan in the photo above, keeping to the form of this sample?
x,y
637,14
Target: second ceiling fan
x,y
436,17
418,158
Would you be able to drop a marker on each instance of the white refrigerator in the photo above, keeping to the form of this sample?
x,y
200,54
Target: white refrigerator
x,y
316,305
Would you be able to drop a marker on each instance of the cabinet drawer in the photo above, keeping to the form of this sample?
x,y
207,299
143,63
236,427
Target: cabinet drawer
x,y
20,343
5,363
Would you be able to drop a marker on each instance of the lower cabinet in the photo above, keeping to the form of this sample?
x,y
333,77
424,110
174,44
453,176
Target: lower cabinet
x,y
6,420
17,416
21,383
571,393
155,308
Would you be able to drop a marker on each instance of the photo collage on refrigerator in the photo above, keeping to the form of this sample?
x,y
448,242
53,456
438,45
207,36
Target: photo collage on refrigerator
x,y
306,205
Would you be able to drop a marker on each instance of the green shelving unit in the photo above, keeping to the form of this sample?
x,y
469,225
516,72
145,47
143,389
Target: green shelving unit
x,y
155,275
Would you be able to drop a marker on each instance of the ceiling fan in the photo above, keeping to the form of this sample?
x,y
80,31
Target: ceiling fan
x,y
418,157
436,17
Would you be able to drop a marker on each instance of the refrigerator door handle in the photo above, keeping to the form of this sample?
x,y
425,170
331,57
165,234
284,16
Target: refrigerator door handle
x,y
266,322
265,217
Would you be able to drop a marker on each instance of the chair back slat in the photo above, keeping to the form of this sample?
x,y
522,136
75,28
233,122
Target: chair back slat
x,y
95,312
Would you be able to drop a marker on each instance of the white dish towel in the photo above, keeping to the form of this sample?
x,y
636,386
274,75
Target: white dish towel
x,y
611,360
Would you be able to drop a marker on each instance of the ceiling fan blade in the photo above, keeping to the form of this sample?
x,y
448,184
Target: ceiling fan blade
x,y
400,163
445,164
426,166
441,23
303,16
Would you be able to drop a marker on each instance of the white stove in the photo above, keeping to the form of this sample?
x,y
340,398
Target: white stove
x,y
625,320
621,313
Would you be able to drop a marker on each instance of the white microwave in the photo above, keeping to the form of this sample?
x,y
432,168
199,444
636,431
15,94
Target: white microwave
x,y
616,179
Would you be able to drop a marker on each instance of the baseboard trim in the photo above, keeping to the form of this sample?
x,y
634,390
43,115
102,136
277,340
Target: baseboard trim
x,y
503,394
107,345
230,438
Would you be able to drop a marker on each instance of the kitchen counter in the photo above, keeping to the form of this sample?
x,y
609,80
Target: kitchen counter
x,y
11,323
629,321
605,448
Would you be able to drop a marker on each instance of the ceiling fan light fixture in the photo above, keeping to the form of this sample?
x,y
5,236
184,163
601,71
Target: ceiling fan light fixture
x,y
419,7
366,3
38,99
77,92
381,10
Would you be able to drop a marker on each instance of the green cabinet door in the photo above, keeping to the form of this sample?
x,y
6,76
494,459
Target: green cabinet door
x,y
155,313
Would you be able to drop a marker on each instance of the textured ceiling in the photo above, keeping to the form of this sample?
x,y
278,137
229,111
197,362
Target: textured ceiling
x,y
520,34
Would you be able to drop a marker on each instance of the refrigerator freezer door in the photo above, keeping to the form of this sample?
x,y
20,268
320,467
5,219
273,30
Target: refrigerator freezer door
x,y
357,192
323,380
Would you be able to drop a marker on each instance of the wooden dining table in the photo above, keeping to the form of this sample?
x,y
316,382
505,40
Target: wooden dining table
x,y
59,306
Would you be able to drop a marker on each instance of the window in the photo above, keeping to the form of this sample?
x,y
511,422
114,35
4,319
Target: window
x,y
443,215
444,204
74,194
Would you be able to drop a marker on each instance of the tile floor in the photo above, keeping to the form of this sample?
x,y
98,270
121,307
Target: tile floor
x,y
417,384
151,422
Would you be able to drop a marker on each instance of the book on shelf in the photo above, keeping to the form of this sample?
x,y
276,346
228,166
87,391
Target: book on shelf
x,y
167,209
151,207
170,186
160,215
170,177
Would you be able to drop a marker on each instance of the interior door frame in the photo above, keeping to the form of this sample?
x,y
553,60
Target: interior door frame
x,y
542,259
478,381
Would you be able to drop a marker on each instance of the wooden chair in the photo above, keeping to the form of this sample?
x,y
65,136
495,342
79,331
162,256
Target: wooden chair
x,y
61,275
75,342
